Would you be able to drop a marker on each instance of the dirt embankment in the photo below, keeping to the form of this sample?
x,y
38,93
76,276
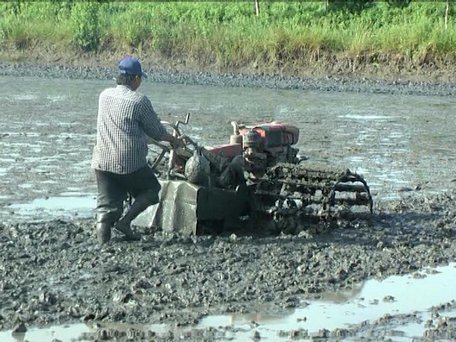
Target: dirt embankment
x,y
313,64
372,74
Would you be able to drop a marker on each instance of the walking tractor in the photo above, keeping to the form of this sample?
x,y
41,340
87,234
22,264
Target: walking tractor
x,y
257,181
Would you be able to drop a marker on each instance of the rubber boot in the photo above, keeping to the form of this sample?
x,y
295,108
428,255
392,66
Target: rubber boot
x,y
105,220
125,228
103,232
139,205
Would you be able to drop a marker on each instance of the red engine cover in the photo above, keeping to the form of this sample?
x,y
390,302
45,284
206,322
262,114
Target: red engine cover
x,y
226,150
275,134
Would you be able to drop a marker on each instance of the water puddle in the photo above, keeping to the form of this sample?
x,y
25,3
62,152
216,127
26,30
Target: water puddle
x,y
415,293
365,302
68,205
25,97
366,117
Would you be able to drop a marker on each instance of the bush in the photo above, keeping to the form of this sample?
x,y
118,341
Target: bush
x,y
84,25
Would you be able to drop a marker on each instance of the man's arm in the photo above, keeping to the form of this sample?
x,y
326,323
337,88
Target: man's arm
x,y
153,127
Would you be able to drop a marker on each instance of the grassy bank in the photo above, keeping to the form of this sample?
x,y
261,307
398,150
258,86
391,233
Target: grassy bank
x,y
283,37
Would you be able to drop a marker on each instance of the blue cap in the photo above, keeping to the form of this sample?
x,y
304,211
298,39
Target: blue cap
x,y
130,65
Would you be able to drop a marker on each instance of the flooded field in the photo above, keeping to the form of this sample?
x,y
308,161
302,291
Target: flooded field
x,y
402,144
48,131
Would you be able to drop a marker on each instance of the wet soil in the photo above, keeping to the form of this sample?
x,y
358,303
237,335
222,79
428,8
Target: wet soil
x,y
54,272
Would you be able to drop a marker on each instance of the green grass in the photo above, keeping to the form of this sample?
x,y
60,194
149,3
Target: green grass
x,y
228,34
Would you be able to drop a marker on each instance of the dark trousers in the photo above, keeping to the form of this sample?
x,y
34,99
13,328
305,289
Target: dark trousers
x,y
113,189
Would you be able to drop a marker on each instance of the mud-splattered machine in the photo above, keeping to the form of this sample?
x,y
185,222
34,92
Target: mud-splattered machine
x,y
256,181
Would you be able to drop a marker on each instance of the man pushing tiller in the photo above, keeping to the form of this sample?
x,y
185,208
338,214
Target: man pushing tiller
x,y
126,120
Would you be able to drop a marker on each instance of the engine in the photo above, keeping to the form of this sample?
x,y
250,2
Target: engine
x,y
266,144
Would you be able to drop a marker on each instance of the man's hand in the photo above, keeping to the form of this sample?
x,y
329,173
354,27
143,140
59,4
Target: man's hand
x,y
174,141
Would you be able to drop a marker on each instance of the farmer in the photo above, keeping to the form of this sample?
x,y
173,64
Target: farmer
x,y
126,119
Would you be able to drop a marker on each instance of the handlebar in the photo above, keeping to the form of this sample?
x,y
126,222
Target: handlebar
x,y
169,149
176,132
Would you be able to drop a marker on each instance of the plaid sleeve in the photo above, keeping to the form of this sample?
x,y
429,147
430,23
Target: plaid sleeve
x,y
149,120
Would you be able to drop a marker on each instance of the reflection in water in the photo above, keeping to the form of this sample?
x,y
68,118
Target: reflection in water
x,y
364,302
342,296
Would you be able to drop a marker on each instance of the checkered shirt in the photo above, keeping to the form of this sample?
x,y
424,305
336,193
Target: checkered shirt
x,y
125,119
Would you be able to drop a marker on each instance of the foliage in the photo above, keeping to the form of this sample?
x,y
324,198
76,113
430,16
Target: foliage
x,y
85,25
229,34
349,5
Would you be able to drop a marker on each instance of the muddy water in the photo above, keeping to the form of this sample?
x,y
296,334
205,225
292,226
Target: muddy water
x,y
47,131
